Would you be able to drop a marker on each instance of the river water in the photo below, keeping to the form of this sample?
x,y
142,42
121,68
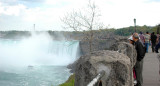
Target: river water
x,y
37,76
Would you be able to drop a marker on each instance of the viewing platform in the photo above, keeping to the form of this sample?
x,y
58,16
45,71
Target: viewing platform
x,y
151,75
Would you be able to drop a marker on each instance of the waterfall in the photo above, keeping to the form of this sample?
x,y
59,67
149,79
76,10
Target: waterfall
x,y
39,49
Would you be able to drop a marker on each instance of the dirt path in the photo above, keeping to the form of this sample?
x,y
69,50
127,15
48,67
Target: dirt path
x,y
151,70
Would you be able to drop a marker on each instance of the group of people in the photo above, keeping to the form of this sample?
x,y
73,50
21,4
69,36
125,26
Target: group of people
x,y
141,42
152,39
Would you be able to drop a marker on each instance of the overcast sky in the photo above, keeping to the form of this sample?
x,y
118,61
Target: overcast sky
x,y
46,14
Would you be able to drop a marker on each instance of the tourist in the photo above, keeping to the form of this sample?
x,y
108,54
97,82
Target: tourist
x,y
140,55
153,41
141,36
134,74
158,44
131,40
159,65
158,40
147,40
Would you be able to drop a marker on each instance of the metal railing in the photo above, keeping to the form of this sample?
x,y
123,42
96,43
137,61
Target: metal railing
x,y
97,79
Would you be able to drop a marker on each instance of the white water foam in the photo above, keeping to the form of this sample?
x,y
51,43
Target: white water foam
x,y
40,49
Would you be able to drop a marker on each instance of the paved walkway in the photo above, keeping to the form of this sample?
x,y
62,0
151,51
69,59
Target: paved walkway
x,y
151,70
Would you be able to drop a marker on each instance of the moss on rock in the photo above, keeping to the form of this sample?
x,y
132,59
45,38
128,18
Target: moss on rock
x,y
70,81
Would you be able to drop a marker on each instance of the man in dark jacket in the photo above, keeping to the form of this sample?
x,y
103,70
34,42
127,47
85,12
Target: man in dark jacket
x,y
139,64
153,41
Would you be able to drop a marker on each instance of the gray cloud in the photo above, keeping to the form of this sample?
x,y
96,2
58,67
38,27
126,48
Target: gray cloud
x,y
39,1
32,3
16,1
8,2
28,3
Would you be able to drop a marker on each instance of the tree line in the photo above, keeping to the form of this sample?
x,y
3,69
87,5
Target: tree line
x,y
125,31
129,30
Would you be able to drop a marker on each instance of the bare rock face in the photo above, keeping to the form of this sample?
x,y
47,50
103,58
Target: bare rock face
x,y
72,66
127,49
116,66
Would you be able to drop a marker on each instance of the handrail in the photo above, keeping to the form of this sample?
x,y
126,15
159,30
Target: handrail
x,y
97,78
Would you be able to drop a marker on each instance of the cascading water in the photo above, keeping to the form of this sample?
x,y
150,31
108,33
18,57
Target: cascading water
x,y
46,57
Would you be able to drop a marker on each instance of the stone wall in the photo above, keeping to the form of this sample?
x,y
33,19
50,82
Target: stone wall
x,y
116,66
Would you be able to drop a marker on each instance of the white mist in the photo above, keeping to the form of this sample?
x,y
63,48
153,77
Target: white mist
x,y
39,49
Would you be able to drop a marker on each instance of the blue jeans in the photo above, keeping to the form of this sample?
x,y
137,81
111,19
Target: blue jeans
x,y
147,46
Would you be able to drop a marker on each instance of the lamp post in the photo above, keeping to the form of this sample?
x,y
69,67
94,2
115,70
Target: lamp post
x,y
135,24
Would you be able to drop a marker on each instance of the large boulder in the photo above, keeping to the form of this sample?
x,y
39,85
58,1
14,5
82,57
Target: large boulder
x,y
116,66
127,49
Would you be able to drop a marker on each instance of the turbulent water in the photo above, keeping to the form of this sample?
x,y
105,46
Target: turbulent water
x,y
37,76
36,61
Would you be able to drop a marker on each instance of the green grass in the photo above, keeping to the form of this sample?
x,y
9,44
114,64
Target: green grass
x,y
69,82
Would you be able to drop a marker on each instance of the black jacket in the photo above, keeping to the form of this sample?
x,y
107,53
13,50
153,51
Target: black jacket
x,y
153,38
139,48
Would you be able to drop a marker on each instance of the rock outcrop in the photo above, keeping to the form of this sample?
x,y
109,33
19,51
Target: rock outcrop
x,y
116,66
121,47
127,49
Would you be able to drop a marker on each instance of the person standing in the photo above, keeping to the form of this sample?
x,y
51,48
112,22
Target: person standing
x,y
141,36
158,44
158,39
158,56
134,75
140,55
147,39
153,41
